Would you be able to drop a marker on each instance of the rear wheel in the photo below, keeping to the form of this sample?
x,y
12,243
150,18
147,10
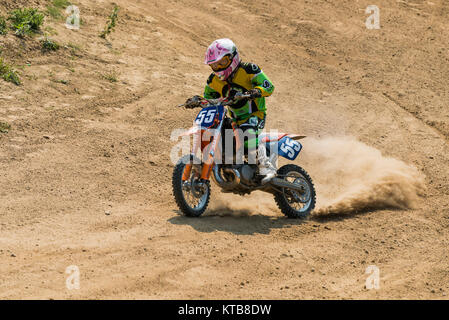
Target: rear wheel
x,y
192,196
293,203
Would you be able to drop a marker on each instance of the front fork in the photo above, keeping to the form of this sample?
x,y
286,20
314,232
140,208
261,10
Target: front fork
x,y
208,164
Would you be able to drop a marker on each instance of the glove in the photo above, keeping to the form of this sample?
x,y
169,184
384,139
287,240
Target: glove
x,y
254,93
193,102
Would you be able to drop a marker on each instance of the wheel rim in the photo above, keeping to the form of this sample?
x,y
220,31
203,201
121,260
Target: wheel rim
x,y
194,192
299,202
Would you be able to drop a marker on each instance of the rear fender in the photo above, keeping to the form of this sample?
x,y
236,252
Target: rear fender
x,y
296,136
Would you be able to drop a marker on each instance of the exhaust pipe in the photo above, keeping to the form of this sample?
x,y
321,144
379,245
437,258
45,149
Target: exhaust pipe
x,y
227,185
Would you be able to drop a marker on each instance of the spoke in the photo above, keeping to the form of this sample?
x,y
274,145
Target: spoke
x,y
292,197
189,196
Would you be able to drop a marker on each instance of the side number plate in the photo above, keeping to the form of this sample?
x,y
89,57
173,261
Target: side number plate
x,y
289,148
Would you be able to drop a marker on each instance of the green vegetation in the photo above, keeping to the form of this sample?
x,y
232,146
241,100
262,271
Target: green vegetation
x,y
4,127
54,9
8,74
61,81
74,47
26,21
111,24
54,12
49,44
3,27
50,31
110,76
61,4
75,50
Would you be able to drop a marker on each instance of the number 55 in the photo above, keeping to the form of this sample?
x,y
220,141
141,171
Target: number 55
x,y
289,147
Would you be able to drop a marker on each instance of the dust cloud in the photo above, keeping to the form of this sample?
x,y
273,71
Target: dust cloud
x,y
351,176
227,204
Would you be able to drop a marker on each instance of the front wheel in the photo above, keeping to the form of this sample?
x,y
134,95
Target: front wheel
x,y
192,196
293,203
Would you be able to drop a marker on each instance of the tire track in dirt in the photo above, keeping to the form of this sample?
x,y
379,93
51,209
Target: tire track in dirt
x,y
441,133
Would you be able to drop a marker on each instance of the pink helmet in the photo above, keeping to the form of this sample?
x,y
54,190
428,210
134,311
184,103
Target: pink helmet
x,y
217,51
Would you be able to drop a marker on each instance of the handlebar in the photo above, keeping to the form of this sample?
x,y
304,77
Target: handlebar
x,y
223,101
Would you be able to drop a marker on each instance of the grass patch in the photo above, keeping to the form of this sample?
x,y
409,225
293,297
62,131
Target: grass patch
x,y
51,75
8,73
110,76
74,46
4,127
26,21
50,31
49,44
111,23
62,81
75,49
61,4
54,12
54,9
3,27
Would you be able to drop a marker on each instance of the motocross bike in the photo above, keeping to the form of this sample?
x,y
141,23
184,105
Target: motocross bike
x,y
292,187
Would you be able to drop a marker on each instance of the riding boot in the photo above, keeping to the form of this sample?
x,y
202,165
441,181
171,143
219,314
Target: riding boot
x,y
266,168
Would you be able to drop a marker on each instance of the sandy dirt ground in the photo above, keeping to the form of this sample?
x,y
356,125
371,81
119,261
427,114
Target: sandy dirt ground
x,y
85,169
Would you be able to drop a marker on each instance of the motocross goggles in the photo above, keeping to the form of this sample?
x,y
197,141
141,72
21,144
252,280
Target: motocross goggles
x,y
221,64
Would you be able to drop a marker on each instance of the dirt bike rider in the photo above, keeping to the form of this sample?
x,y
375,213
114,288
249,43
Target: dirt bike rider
x,y
230,76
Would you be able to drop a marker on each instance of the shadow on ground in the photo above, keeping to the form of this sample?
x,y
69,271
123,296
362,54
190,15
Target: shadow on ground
x,y
239,222
242,222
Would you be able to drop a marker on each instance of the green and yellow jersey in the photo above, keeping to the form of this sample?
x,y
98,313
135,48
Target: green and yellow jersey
x,y
247,76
